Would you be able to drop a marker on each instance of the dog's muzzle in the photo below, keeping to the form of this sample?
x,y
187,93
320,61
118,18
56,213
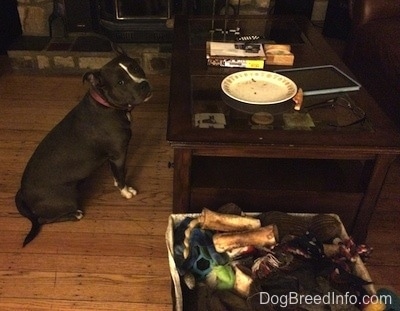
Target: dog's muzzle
x,y
145,89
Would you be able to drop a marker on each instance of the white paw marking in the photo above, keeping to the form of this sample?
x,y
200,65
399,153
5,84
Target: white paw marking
x,y
79,214
128,192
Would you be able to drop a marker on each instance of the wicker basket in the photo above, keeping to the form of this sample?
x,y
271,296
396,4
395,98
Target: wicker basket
x,y
175,219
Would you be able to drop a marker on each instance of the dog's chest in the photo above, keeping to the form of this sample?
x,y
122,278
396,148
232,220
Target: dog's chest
x,y
103,124
128,116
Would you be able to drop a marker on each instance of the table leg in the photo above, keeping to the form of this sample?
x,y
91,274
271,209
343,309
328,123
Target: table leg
x,y
181,184
371,196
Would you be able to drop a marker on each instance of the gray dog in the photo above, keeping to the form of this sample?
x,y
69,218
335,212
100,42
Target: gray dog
x,y
95,131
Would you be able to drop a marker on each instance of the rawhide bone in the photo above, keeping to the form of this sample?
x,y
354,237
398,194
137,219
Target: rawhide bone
x,y
226,222
219,222
264,236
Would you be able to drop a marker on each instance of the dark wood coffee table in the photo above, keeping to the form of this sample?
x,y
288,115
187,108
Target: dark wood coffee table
x,y
320,169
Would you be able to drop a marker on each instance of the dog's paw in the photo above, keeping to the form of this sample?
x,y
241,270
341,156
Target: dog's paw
x,y
128,192
79,214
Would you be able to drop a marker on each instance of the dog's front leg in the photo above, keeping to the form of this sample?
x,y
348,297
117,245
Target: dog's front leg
x,y
118,170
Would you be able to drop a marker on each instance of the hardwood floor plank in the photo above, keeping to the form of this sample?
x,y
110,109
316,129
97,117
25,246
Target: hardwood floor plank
x,y
77,263
76,286
381,276
22,304
88,243
91,224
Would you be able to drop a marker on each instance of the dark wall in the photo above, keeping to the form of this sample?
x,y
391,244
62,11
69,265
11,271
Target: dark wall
x,y
10,25
297,7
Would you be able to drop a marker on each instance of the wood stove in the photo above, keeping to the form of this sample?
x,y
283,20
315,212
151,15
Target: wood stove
x,y
136,21
133,10
120,20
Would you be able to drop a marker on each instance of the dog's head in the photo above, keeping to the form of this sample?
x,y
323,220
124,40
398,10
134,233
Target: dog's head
x,y
121,83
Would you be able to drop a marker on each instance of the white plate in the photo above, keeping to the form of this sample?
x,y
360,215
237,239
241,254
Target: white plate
x,y
258,87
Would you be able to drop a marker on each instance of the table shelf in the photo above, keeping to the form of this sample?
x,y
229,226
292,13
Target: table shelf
x,y
273,174
290,185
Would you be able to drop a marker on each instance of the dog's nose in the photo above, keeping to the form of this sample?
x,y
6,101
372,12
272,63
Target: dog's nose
x,y
144,86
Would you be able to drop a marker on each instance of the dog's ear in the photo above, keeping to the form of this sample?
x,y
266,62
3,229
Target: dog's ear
x,y
93,77
118,49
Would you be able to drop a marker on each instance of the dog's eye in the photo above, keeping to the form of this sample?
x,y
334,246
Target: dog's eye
x,y
121,82
134,69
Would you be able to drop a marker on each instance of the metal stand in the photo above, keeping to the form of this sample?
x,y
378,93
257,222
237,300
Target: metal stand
x,y
225,31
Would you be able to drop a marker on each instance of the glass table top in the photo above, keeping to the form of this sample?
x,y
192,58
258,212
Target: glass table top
x,y
212,108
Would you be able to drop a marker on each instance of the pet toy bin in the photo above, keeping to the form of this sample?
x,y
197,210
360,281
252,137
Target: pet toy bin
x,y
183,296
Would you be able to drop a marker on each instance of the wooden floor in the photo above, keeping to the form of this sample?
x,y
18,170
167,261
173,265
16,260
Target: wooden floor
x,y
115,257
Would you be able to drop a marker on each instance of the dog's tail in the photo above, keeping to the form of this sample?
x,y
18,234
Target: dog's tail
x,y
26,212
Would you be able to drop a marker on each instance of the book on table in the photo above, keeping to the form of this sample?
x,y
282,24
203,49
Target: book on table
x,y
235,54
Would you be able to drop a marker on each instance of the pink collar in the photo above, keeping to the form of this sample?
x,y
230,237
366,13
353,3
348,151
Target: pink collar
x,y
97,97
